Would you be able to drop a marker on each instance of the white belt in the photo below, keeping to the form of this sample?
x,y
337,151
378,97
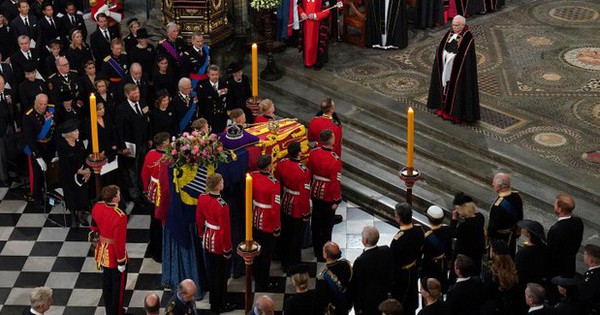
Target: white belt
x,y
261,205
291,192
321,178
212,227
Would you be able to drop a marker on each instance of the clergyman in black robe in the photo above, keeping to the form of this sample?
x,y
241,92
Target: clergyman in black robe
x,y
386,24
454,92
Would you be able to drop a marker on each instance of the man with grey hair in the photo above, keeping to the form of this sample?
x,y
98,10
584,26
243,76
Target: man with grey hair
x,y
64,82
505,212
184,301
184,104
264,305
24,55
41,300
534,298
372,274
172,46
137,77
212,94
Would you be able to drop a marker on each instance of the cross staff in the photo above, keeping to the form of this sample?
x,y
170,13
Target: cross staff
x,y
339,4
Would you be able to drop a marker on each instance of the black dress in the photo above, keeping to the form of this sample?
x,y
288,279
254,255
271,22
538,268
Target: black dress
x,y
72,159
9,44
144,56
164,121
437,308
301,303
78,57
110,105
167,81
470,239
500,302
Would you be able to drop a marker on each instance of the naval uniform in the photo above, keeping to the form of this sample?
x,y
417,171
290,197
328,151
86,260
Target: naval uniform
x,y
505,212
406,248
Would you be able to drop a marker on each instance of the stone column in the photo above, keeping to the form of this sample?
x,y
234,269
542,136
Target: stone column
x,y
240,17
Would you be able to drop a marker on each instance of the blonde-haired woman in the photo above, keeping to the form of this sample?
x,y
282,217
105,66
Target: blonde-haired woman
x,y
469,234
267,112
78,52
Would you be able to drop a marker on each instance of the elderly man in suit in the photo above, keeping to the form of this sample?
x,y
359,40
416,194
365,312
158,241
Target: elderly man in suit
x,y
24,55
41,300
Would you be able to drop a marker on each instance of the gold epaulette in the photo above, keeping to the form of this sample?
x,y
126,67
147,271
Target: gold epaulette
x,y
29,112
498,201
50,105
107,58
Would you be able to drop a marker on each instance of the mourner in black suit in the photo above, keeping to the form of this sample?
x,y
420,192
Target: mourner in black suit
x,y
41,301
9,77
25,23
372,274
50,28
10,9
564,238
141,80
531,258
100,39
7,38
30,87
182,103
8,145
534,297
212,97
590,288
22,56
73,20
184,301
466,295
132,126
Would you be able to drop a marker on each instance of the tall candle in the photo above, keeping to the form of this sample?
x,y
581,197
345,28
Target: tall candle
x,y
248,207
254,70
410,138
94,123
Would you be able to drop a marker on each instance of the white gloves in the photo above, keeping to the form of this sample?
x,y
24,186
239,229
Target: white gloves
x,y
42,164
121,268
102,9
116,16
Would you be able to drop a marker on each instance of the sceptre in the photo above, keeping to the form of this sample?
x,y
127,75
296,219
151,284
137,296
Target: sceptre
x,y
339,4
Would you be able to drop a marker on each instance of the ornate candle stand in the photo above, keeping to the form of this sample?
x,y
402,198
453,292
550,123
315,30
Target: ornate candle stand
x,y
409,175
248,250
96,161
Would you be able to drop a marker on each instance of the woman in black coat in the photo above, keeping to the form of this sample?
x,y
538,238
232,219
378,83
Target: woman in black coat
x,y
163,77
163,116
7,38
74,172
470,235
78,52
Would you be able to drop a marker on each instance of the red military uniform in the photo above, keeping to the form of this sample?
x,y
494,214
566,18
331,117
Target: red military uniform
x,y
295,206
266,202
212,218
111,223
267,223
214,227
324,122
295,181
151,186
326,168
312,40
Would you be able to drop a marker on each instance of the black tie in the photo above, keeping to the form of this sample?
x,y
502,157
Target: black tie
x,y
137,109
73,20
27,22
52,23
137,83
29,55
2,97
106,35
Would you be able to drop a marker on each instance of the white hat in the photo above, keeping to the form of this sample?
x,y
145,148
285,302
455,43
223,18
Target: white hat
x,y
435,212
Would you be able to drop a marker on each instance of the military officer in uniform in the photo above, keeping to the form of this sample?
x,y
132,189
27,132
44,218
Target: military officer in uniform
x,y
325,190
333,296
590,288
172,47
30,87
326,119
110,223
266,216
212,94
437,248
184,301
505,212
63,82
184,104
295,204
114,67
195,60
38,137
214,229
406,248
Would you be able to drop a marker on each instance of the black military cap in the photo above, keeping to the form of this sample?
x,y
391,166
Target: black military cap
x,y
68,126
461,198
293,148
235,67
533,227
263,161
568,280
500,248
143,33
29,67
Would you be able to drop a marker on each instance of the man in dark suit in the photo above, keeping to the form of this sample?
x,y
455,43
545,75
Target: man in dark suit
x,y
50,28
212,95
590,288
182,103
101,38
184,301
10,9
534,297
564,238
73,20
131,126
372,274
25,23
466,295
9,77
138,78
264,306
41,300
24,55
8,148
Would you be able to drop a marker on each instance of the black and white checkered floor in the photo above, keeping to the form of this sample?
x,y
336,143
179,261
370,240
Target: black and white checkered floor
x,y
36,252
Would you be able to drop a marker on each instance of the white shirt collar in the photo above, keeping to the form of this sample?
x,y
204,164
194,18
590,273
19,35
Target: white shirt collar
x,y
370,247
35,312
26,53
132,105
535,308
462,279
563,218
592,268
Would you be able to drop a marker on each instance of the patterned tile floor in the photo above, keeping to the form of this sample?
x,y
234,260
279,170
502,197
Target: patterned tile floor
x,y
35,252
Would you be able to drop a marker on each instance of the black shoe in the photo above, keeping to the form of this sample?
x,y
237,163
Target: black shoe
x,y
338,219
318,66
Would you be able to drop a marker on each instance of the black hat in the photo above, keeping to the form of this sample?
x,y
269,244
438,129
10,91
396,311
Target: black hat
x,y
66,95
161,92
131,21
234,132
533,227
235,67
567,280
143,33
68,126
461,198
29,67
500,248
293,148
298,269
263,161
54,41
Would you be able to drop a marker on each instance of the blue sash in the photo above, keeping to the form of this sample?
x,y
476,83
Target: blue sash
x,y
338,292
509,208
188,116
44,132
437,243
202,69
115,65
